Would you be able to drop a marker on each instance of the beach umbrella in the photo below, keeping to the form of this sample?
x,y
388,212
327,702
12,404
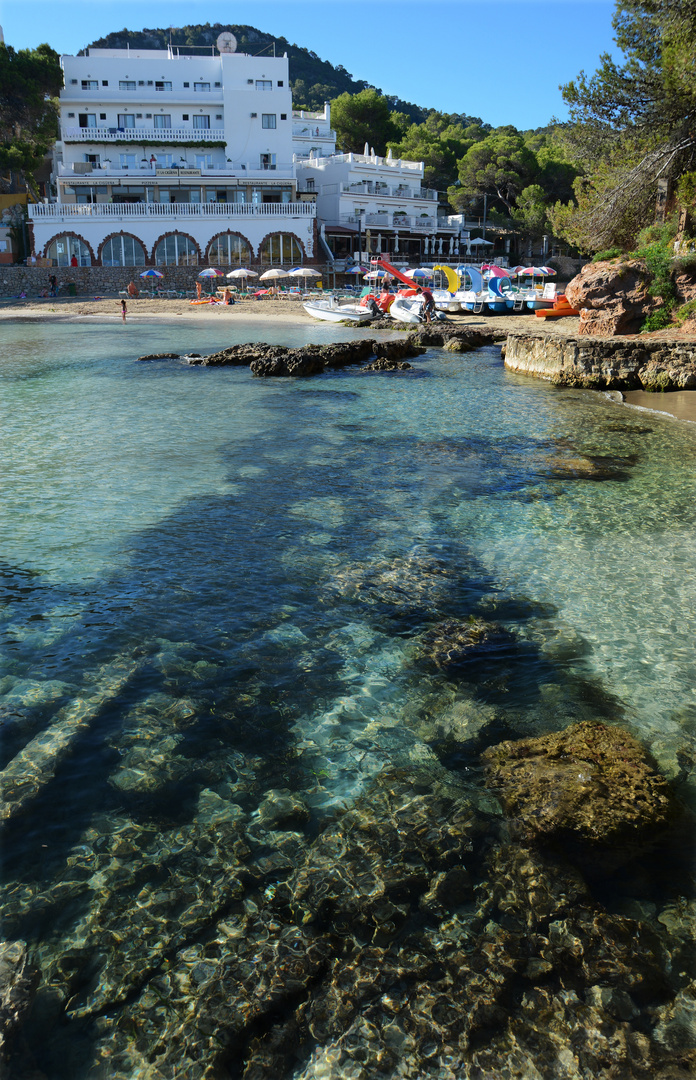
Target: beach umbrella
x,y
211,272
242,272
358,270
536,271
271,275
478,242
152,274
548,271
496,271
304,271
420,272
515,270
375,275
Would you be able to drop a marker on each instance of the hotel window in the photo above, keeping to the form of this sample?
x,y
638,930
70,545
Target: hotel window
x,y
283,116
126,120
126,84
186,85
204,161
105,82
92,159
127,161
176,249
280,248
268,161
163,120
87,120
123,251
268,120
164,161
163,85
264,84
102,116
61,250
201,122
185,116
202,86
90,84
280,82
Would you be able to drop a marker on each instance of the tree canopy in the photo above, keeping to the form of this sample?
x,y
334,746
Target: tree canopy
x,y
632,123
362,118
29,81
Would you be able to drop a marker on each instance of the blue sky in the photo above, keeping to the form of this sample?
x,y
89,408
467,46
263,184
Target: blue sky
x,y
502,60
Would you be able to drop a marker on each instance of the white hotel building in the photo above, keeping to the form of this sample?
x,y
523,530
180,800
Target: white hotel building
x,y
170,159
175,159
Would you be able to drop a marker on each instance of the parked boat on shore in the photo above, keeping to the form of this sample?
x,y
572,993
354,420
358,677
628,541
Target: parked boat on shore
x,y
330,311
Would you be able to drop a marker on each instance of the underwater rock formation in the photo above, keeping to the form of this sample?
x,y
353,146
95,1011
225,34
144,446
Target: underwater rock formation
x,y
18,983
451,644
591,785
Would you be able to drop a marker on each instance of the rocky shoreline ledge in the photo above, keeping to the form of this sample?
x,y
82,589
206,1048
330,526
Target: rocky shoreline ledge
x,y
604,363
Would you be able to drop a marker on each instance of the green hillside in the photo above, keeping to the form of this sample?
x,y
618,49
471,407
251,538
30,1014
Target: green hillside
x,y
313,81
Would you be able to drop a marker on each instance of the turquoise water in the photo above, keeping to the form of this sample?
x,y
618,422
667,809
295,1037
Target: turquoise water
x,y
215,587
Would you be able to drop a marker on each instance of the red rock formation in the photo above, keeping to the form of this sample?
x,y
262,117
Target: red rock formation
x,y
612,297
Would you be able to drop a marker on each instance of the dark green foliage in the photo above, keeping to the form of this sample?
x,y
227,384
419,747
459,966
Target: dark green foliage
x,y
604,256
632,123
29,81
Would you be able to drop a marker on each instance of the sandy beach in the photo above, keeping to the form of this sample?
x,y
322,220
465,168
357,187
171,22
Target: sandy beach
x,y
262,311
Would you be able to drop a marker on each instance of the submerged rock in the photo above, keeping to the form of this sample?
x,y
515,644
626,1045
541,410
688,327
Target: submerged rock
x,y
388,365
18,984
591,785
451,644
161,356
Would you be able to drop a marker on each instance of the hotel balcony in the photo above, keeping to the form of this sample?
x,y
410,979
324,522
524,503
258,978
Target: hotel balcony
x,y
140,135
66,212
236,170
394,221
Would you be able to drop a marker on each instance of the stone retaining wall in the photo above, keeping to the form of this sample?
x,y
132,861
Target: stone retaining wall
x,y
96,280
621,363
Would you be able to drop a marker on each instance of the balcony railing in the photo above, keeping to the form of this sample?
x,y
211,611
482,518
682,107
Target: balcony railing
x,y
99,174
382,190
391,221
138,135
312,131
66,211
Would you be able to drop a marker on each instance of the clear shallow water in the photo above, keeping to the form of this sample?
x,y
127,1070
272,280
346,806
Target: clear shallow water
x,y
216,586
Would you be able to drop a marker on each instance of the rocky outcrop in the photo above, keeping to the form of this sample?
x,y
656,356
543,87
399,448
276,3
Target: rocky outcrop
x,y
621,363
612,297
591,786
388,365
276,360
455,338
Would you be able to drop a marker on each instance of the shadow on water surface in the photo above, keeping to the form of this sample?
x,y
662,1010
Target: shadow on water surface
x,y
275,642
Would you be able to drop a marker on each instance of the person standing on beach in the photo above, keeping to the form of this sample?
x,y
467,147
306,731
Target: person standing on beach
x,y
428,303
53,284
123,310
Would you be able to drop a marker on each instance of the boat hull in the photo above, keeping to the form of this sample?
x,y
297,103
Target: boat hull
x,y
339,313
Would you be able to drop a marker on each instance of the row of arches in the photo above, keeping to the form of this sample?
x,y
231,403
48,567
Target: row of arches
x,y
174,249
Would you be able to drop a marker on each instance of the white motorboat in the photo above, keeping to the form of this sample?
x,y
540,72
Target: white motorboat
x,y
330,311
407,309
